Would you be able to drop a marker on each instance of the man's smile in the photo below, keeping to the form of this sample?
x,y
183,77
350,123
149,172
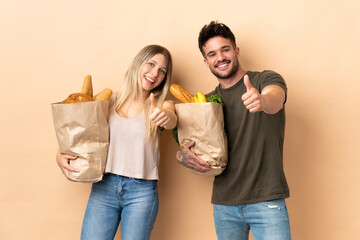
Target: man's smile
x,y
222,65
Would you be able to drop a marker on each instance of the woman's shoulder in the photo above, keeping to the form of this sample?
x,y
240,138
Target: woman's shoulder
x,y
113,99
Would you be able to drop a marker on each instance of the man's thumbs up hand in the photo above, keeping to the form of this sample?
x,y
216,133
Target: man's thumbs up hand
x,y
252,98
247,83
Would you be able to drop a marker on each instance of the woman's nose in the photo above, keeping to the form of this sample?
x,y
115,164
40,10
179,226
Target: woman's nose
x,y
155,72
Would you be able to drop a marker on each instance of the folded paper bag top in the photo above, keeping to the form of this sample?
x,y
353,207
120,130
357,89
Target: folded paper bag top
x,y
203,123
82,130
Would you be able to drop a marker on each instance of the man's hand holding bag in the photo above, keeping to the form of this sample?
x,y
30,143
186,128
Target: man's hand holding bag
x,y
203,123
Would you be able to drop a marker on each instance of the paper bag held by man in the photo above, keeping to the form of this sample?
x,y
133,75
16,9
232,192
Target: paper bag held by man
x,y
203,123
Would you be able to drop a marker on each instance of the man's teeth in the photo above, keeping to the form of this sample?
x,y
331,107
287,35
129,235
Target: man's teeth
x,y
149,80
222,65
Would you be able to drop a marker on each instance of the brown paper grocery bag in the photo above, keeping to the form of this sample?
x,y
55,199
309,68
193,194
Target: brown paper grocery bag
x,y
203,123
82,130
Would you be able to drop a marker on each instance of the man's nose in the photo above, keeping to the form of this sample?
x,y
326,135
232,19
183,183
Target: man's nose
x,y
221,57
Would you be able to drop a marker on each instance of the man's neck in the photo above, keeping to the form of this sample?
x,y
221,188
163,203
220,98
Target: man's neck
x,y
231,81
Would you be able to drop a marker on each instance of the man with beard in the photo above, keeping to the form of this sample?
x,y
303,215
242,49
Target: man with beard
x,y
250,193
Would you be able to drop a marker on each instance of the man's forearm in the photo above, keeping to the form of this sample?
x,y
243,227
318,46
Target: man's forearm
x,y
272,99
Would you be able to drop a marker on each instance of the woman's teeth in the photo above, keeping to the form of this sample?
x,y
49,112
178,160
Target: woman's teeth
x,y
149,80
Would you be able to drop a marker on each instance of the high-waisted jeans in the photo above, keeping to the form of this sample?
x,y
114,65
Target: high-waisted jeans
x,y
267,221
116,199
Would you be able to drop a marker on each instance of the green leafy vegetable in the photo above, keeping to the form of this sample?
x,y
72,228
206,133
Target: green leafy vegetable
x,y
175,135
215,98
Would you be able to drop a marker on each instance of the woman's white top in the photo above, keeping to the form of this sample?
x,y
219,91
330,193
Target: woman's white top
x,y
131,154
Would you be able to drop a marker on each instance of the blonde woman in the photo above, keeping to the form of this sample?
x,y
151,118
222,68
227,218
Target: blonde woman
x,y
128,194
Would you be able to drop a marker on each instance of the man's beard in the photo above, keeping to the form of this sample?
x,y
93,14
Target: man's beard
x,y
233,70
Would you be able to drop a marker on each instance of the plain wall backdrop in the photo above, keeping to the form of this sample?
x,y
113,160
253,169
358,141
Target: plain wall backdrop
x,y
47,48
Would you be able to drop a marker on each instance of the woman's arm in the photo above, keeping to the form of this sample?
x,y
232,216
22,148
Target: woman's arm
x,y
63,161
164,116
169,109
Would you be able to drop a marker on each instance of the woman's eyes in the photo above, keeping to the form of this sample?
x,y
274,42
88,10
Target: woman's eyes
x,y
151,64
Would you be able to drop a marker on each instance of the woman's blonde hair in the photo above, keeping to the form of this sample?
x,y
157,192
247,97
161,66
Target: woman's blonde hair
x,y
131,87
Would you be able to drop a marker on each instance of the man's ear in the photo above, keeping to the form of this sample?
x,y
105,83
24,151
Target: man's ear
x,y
237,51
206,62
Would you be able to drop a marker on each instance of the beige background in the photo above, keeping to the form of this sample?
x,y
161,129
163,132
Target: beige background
x,y
47,47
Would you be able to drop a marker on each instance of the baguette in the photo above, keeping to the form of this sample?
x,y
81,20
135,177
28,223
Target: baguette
x,y
87,86
181,93
103,95
76,98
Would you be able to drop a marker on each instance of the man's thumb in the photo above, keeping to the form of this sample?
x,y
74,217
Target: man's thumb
x,y
190,144
247,83
152,101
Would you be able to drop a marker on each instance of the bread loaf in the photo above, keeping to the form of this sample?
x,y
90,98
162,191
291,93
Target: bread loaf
x,y
181,93
103,95
86,93
87,86
77,97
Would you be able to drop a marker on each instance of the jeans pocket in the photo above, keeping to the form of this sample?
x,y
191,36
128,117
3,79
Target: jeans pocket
x,y
143,181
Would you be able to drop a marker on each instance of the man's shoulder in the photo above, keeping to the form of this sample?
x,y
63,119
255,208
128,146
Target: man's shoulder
x,y
270,73
212,92
263,74
266,77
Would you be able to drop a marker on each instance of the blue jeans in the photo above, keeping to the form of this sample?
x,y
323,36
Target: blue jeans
x,y
116,199
267,221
